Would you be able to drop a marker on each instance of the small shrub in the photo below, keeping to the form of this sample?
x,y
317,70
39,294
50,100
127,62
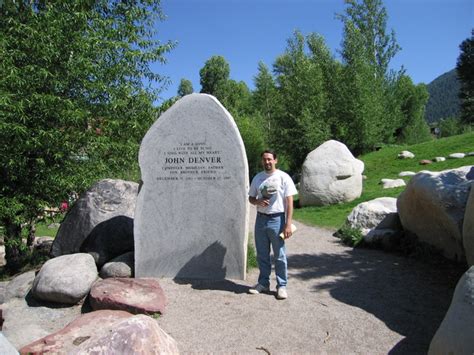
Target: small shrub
x,y
251,257
450,127
350,236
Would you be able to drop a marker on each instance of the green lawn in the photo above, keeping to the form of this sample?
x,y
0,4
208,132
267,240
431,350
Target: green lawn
x,y
46,229
385,164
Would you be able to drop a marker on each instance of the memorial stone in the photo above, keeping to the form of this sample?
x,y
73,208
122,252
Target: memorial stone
x,y
191,218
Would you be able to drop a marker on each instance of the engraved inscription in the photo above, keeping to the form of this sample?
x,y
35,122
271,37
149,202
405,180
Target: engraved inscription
x,y
196,161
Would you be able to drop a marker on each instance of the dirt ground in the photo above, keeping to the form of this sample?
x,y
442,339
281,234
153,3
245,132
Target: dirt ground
x,y
341,301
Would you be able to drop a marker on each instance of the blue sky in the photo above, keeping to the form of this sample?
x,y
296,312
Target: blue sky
x,y
245,32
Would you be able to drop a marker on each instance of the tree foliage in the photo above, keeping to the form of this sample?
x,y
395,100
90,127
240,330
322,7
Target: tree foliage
x,y
301,122
265,98
365,82
73,103
214,76
411,101
368,18
185,87
465,70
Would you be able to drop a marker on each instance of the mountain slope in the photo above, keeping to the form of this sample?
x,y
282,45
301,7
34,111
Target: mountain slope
x,y
443,101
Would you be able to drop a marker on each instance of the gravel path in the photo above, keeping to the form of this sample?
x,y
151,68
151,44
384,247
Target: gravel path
x,y
341,301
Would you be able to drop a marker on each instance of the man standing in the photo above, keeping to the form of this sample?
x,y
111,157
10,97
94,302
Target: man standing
x,y
272,192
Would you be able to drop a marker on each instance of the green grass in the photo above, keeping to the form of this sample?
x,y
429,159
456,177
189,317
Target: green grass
x,y
385,164
43,229
251,254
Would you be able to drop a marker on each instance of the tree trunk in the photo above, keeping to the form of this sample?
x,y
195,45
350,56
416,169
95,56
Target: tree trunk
x,y
31,233
13,246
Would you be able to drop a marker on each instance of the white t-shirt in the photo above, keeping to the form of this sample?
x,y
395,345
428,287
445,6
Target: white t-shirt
x,y
276,187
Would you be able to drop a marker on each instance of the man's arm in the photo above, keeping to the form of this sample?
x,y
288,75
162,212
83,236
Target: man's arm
x,y
289,217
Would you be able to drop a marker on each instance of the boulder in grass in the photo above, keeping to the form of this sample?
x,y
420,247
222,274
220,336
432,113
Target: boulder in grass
x,y
330,175
66,279
425,162
105,200
121,266
107,332
376,219
439,159
405,154
456,156
455,334
432,206
392,183
407,173
140,295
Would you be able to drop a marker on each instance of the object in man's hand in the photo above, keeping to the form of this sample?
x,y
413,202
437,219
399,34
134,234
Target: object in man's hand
x,y
293,229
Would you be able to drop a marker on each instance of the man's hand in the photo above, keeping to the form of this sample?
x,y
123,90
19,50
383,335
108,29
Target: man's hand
x,y
263,202
287,231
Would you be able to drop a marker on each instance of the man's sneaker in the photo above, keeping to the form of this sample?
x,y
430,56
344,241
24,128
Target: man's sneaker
x,y
258,289
281,293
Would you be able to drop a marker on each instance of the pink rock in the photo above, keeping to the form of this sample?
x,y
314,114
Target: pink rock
x,y
74,333
141,295
107,332
139,334
425,162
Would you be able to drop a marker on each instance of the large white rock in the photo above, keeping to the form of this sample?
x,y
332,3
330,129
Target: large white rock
x,y
392,183
455,335
106,200
405,154
407,173
65,279
468,227
432,206
375,218
330,175
456,156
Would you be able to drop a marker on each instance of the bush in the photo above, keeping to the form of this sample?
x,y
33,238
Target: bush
x,y
350,236
450,127
251,257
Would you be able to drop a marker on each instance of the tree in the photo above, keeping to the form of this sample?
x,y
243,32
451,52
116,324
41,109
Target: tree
x,y
465,71
185,87
411,100
365,83
369,19
302,124
265,97
236,97
73,103
214,76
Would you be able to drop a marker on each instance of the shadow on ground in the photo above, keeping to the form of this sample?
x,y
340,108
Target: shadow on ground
x,y
411,297
216,285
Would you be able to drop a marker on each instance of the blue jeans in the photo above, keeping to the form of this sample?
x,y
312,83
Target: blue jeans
x,y
267,230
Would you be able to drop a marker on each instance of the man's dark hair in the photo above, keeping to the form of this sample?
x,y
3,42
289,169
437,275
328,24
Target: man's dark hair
x,y
269,151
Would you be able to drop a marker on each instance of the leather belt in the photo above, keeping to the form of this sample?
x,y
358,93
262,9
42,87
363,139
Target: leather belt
x,y
271,214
